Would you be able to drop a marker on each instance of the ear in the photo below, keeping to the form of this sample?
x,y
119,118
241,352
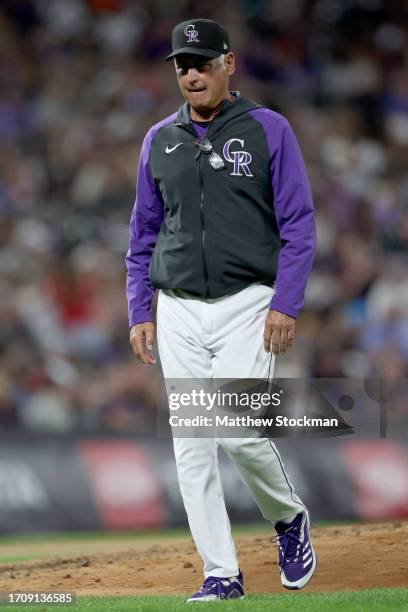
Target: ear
x,y
229,63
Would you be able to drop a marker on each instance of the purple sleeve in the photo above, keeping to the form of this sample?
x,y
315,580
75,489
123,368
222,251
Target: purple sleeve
x,y
294,213
145,222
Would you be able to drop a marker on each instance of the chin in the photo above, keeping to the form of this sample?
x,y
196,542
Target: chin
x,y
202,106
204,103
197,100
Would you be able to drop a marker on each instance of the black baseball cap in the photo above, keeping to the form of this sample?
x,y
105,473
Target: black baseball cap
x,y
199,37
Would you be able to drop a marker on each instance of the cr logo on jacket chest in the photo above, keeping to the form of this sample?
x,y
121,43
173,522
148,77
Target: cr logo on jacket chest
x,y
239,158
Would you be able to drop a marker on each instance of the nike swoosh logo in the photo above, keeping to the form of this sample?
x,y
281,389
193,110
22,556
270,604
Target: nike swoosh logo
x,y
171,149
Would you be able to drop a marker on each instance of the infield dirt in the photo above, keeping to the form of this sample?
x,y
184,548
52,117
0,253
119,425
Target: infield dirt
x,y
349,557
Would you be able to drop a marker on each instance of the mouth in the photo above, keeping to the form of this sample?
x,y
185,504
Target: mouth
x,y
196,91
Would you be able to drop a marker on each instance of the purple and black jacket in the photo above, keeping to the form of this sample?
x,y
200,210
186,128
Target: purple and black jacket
x,y
213,232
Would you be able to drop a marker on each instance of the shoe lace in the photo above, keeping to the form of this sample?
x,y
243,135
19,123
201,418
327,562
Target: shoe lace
x,y
212,581
290,544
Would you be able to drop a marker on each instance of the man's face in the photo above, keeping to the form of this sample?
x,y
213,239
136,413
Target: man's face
x,y
203,81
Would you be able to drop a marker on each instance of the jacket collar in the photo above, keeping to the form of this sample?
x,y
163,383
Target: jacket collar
x,y
230,109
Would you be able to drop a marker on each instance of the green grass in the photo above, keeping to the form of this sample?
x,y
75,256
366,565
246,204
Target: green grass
x,y
93,535
21,558
373,600
171,532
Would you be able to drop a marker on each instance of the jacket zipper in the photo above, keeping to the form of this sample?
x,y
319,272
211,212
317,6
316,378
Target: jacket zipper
x,y
191,130
203,236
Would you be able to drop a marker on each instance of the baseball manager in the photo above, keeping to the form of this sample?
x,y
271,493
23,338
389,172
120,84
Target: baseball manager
x,y
223,225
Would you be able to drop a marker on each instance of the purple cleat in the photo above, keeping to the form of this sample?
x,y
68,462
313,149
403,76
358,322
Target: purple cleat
x,y
297,559
214,589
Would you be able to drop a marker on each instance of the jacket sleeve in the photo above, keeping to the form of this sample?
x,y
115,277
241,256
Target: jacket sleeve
x,y
295,217
145,222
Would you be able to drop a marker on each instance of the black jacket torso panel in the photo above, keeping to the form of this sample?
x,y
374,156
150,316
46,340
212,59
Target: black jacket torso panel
x,y
219,231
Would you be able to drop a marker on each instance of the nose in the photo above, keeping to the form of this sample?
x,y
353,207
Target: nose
x,y
193,74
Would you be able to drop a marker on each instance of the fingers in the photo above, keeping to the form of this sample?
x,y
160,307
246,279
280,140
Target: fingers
x,y
285,341
275,340
290,339
149,339
267,337
142,338
281,341
279,332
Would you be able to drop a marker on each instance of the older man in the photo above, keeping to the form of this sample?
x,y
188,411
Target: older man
x,y
223,226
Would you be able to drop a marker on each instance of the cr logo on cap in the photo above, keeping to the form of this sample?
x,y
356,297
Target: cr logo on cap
x,y
191,33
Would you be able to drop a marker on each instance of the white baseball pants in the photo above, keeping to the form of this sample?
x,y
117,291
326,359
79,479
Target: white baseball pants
x,y
222,338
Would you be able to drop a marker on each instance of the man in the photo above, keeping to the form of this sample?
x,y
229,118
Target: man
x,y
223,225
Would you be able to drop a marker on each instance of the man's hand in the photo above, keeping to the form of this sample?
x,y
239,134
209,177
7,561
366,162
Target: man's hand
x,y
279,331
142,338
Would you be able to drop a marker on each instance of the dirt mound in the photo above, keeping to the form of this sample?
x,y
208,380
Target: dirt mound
x,y
349,557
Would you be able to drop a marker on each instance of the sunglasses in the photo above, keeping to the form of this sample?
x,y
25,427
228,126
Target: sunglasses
x,y
204,145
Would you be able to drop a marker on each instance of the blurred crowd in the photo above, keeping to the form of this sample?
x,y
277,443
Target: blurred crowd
x,y
81,82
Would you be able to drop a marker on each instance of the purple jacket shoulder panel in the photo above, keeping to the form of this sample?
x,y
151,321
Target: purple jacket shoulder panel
x,y
145,222
294,212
